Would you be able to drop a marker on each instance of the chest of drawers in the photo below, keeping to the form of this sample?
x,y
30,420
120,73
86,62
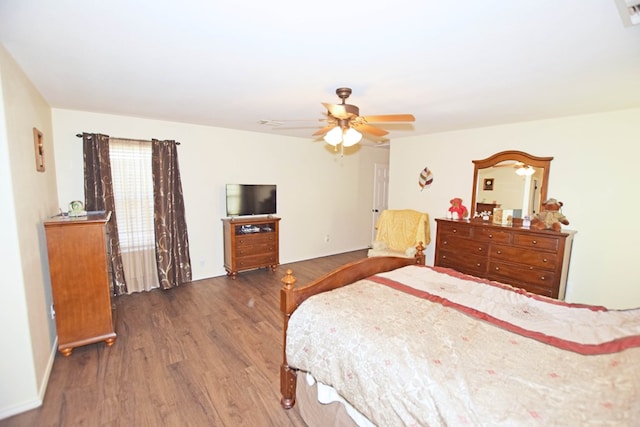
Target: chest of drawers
x,y
250,243
77,251
537,261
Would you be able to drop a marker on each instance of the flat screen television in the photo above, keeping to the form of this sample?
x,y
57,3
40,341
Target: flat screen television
x,y
251,199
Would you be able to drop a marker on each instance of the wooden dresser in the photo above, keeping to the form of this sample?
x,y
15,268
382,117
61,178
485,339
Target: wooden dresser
x,y
534,260
80,277
250,243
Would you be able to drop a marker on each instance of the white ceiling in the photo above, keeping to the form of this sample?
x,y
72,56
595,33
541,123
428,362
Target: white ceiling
x,y
229,64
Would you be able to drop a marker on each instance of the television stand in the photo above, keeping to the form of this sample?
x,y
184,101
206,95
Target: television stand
x,y
250,243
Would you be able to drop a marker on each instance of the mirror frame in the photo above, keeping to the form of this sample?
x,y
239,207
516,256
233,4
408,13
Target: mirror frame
x,y
518,156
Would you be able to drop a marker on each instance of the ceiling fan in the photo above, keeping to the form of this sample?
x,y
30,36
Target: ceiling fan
x,y
345,125
521,168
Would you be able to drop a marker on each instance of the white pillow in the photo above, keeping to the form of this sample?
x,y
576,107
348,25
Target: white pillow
x,y
411,251
378,245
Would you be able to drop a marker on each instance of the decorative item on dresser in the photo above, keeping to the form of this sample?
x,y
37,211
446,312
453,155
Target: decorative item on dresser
x,y
250,243
536,260
77,248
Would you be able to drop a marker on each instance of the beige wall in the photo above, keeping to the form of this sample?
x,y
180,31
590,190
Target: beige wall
x,y
319,192
593,171
27,198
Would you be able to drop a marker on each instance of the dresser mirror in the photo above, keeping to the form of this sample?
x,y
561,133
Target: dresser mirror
x,y
510,180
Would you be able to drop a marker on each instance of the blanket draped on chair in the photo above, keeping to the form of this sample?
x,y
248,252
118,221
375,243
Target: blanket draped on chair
x,y
400,231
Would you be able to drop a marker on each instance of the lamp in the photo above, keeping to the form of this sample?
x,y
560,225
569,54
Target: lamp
x,y
348,136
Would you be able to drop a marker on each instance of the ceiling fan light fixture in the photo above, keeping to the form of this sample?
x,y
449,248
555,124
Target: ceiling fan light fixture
x,y
351,137
525,170
343,119
334,136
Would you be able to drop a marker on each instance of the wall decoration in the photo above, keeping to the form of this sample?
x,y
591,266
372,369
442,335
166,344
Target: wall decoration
x,y
488,184
38,145
426,178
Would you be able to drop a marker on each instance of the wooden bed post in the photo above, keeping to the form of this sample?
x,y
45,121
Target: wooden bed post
x,y
288,376
420,257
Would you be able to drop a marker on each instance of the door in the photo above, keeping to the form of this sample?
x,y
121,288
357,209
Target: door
x,y
380,193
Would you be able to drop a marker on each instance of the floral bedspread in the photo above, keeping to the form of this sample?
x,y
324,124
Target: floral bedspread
x,y
402,359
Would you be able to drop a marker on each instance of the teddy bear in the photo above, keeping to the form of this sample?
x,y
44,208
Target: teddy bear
x,y
549,217
457,209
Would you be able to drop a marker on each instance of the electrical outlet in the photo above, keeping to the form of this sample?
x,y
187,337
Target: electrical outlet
x,y
326,238
52,312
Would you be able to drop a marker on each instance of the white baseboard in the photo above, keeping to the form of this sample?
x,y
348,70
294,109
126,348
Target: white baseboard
x,y
35,403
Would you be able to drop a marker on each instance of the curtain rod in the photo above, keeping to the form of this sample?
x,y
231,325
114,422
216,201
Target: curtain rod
x,y
79,135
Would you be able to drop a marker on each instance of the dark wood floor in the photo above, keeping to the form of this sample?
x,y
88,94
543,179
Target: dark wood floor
x,y
204,354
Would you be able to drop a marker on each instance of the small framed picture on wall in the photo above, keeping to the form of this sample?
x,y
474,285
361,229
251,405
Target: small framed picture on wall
x,y
488,184
38,145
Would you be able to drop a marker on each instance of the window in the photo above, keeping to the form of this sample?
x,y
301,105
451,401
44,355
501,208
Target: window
x,y
133,193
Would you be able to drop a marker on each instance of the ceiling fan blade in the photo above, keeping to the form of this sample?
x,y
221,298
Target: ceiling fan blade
x,y
372,130
323,130
342,111
390,118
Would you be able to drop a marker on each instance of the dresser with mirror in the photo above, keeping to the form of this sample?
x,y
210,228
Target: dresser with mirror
x,y
535,260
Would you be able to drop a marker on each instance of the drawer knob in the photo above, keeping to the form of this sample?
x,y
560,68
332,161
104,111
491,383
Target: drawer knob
x,y
444,257
479,249
544,260
497,268
534,242
455,231
478,265
499,252
491,236
542,278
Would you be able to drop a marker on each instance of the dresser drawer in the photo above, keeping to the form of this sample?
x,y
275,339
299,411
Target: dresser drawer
x,y
523,277
492,235
530,257
459,230
262,260
257,249
463,262
452,243
536,241
255,239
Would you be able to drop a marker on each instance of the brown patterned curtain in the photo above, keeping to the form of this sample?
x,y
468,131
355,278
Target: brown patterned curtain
x,y
98,191
170,226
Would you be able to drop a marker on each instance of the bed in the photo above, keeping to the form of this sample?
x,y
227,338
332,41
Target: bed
x,y
408,344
